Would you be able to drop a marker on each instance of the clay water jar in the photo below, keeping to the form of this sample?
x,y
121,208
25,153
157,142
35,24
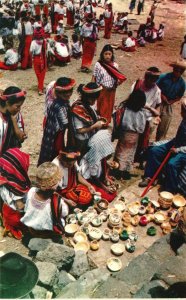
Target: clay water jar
x,y
151,231
94,245
143,221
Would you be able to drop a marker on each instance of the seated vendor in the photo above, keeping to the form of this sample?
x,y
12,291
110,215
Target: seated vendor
x,y
72,185
11,57
176,162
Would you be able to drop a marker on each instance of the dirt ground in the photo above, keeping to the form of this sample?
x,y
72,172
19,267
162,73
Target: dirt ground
x,y
160,54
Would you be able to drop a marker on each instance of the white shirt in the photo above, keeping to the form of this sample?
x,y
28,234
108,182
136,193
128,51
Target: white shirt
x,y
76,47
48,28
134,121
129,42
38,214
11,57
28,28
86,31
9,198
61,49
60,30
35,48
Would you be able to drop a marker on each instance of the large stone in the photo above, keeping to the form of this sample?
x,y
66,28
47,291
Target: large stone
x,y
152,289
112,288
80,264
160,250
172,271
64,279
62,256
37,244
39,292
182,251
48,273
139,271
85,285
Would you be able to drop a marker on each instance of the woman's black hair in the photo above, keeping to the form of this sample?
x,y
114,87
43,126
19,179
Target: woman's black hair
x,y
63,81
75,37
107,47
12,99
85,96
79,88
136,100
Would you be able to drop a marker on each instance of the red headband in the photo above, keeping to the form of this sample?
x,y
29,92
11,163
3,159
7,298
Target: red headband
x,y
65,88
17,95
71,154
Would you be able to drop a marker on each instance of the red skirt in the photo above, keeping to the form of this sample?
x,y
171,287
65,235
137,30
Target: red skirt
x,y
45,10
70,18
88,53
108,28
3,66
11,221
105,103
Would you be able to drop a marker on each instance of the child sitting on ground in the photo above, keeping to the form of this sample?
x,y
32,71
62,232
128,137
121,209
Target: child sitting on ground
x,y
76,47
10,58
45,210
127,45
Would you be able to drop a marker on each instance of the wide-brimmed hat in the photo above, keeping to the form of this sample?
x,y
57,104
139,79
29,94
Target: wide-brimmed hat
x,y
91,88
63,86
18,277
179,63
48,175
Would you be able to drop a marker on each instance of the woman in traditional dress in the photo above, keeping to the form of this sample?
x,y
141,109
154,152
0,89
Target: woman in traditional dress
x,y
93,141
108,15
14,184
11,122
107,75
132,5
38,50
70,13
88,40
25,36
57,120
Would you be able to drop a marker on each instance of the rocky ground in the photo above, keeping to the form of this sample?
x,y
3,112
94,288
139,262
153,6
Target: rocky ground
x,y
133,66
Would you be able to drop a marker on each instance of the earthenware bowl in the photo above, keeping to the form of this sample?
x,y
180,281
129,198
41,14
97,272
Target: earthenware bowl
x,y
114,236
80,237
70,229
150,209
143,221
166,227
126,217
114,219
151,231
102,205
85,218
94,245
82,246
118,229
96,221
165,199
114,264
104,215
85,228
124,235
120,205
135,220
133,208
106,234
133,236
91,212
95,234
71,219
159,217
130,229
117,249
179,201
155,203
142,210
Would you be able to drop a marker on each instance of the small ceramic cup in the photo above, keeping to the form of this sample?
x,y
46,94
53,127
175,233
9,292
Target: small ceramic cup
x,y
94,245
114,236
151,231
124,235
130,246
85,228
133,236
106,234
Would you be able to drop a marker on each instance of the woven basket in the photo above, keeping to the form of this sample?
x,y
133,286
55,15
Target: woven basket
x,y
48,175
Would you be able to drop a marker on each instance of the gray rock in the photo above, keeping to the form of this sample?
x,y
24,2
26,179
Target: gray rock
x,y
48,273
153,289
112,288
64,279
160,250
39,292
85,285
172,271
37,244
182,251
62,256
139,271
80,264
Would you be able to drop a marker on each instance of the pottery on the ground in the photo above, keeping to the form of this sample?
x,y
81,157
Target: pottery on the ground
x,y
82,246
114,236
80,237
118,248
85,228
133,236
114,220
94,245
145,201
142,210
70,229
95,233
126,217
124,235
106,234
165,199
96,221
104,215
71,219
133,208
159,217
135,220
143,221
179,201
151,231
114,264
130,246
120,205
101,205
166,227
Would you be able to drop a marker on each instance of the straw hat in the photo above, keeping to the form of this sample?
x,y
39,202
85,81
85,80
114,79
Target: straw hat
x,y
48,175
179,63
19,275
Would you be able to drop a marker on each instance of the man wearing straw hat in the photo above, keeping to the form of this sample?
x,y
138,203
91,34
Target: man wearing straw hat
x,y
172,87
177,161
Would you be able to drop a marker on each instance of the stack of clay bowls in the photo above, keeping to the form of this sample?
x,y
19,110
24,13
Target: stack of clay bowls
x,y
101,205
114,220
126,218
165,200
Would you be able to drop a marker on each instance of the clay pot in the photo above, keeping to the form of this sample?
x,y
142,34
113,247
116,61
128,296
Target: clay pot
x,y
166,227
106,234
130,246
124,235
114,236
94,245
143,221
126,217
151,231
142,210
135,220
165,199
145,201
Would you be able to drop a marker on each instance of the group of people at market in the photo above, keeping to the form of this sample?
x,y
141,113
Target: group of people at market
x,y
77,152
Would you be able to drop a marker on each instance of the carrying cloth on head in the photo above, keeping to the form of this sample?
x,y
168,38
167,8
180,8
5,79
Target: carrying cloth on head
x,y
19,275
13,171
114,72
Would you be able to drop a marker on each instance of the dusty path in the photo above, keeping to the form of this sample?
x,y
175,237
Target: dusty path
x,y
160,54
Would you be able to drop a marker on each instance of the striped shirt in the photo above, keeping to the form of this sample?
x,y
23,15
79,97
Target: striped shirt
x,y
102,77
